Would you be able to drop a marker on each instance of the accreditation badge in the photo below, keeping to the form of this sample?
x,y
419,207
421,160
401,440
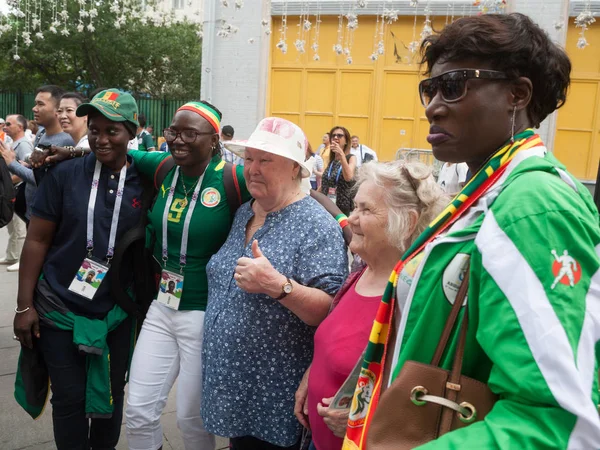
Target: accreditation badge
x,y
170,289
331,193
88,278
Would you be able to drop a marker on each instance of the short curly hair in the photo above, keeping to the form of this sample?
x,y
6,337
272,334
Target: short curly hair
x,y
513,44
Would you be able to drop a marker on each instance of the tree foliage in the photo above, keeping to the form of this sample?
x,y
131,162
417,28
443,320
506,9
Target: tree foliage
x,y
143,51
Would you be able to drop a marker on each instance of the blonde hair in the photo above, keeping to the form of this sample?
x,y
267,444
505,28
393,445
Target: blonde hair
x,y
407,187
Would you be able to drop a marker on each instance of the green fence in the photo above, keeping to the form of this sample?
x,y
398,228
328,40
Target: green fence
x,y
158,111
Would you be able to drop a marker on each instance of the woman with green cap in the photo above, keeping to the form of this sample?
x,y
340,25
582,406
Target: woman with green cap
x,y
80,335
187,225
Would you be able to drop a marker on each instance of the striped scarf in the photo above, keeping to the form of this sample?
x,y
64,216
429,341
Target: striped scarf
x,y
368,388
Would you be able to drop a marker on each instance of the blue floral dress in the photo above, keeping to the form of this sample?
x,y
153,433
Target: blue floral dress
x,y
255,349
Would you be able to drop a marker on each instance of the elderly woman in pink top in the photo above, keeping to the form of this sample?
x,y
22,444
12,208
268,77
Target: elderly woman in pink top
x,y
395,202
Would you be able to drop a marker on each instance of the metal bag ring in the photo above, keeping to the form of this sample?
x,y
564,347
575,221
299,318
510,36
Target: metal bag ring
x,y
469,413
418,391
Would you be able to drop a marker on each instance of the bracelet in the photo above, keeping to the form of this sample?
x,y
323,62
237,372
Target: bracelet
x,y
342,219
71,151
21,312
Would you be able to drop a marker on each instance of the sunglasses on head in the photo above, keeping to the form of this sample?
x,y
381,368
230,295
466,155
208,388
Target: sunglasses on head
x,y
453,84
338,135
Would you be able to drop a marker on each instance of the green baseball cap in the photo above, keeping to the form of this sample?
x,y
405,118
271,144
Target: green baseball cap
x,y
113,104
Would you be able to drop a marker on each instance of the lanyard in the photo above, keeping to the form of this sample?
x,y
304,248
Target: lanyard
x,y
186,223
337,179
115,217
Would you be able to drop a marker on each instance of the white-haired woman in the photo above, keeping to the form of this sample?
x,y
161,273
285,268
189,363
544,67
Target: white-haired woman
x,y
269,285
395,202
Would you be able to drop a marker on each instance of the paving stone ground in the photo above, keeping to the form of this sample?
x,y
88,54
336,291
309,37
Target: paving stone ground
x,y
17,430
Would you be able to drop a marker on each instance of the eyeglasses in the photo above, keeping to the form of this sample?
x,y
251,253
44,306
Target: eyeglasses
x,y
453,84
338,135
187,136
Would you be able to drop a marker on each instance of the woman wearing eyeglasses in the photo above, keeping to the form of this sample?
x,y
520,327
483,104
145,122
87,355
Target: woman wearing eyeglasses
x,y
188,224
338,177
522,235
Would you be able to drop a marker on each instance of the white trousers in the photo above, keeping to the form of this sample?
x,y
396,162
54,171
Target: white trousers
x,y
169,345
16,236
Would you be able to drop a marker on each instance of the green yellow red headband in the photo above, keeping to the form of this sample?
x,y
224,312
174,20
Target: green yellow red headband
x,y
205,111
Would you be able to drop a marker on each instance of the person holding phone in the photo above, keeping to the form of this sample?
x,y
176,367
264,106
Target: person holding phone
x,y
338,177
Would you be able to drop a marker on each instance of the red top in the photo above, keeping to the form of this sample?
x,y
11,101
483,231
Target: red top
x,y
339,342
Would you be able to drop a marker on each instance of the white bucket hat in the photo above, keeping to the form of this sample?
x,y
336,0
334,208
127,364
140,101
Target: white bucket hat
x,y
277,136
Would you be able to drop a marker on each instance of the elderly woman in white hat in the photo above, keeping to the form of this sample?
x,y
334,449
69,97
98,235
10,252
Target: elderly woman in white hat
x,y
270,285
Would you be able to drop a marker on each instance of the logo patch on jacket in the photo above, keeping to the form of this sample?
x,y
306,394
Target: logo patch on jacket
x,y
454,273
565,269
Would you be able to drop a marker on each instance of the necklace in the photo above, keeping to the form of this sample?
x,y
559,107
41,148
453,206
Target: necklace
x,y
184,203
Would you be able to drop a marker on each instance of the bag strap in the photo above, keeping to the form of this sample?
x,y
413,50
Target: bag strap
x,y
458,301
460,348
162,170
232,188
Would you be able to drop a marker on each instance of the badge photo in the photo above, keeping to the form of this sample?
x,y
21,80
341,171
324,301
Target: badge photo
x,y
88,278
170,289
332,194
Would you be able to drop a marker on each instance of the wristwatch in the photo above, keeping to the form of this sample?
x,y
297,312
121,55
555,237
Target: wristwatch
x,y
286,288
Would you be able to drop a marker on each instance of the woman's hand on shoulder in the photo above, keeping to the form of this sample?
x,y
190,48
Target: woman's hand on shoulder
x,y
335,419
301,405
51,155
256,275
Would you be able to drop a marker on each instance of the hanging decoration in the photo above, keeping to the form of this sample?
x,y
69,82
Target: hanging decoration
x,y
282,43
266,24
36,19
427,30
227,29
304,26
337,47
413,46
351,25
489,6
378,43
315,43
583,21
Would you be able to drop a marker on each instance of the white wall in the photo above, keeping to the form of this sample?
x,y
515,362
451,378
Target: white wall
x,y
235,69
550,15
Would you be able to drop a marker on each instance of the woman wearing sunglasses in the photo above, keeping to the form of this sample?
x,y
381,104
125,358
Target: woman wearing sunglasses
x,y
522,238
338,177
189,222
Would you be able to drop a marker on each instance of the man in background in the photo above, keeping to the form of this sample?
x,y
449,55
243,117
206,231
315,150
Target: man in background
x,y
3,136
45,114
15,127
362,152
144,139
227,133
452,177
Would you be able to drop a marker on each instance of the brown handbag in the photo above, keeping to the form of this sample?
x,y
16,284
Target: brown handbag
x,y
426,401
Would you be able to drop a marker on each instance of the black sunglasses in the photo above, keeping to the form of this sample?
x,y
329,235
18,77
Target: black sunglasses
x,y
187,136
338,135
453,84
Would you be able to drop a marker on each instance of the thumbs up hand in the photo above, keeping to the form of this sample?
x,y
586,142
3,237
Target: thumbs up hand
x,y
256,252
256,275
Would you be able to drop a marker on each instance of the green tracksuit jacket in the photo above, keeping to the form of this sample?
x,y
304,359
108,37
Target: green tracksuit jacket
x,y
534,308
